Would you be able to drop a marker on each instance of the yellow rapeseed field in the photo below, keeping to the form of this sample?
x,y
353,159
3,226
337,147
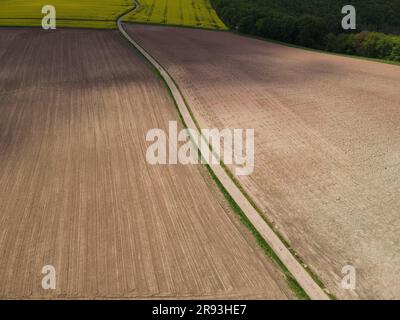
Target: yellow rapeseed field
x,y
69,13
189,13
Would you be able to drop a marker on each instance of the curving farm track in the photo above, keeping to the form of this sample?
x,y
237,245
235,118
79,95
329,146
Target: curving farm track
x,y
307,283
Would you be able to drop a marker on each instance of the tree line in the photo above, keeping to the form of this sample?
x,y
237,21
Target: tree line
x,y
317,24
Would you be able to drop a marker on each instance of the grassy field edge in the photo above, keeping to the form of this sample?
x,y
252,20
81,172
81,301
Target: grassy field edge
x,y
292,282
267,250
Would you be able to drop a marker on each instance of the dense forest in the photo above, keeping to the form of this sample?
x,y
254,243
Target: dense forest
x,y
317,24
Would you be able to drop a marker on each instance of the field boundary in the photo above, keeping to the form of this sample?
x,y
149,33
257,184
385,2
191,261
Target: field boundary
x,y
296,46
312,289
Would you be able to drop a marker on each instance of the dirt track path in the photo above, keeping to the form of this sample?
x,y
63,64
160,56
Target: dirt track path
x,y
327,147
312,289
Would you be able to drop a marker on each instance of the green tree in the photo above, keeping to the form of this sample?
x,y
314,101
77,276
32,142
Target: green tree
x,y
311,31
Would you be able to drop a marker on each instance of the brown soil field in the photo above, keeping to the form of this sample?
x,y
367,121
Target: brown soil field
x,y
327,144
77,193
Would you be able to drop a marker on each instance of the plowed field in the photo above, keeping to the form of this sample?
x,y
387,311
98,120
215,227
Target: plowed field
x,y
77,193
327,144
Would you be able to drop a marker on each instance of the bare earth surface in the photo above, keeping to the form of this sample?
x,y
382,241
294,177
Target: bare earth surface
x,y
327,144
77,193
